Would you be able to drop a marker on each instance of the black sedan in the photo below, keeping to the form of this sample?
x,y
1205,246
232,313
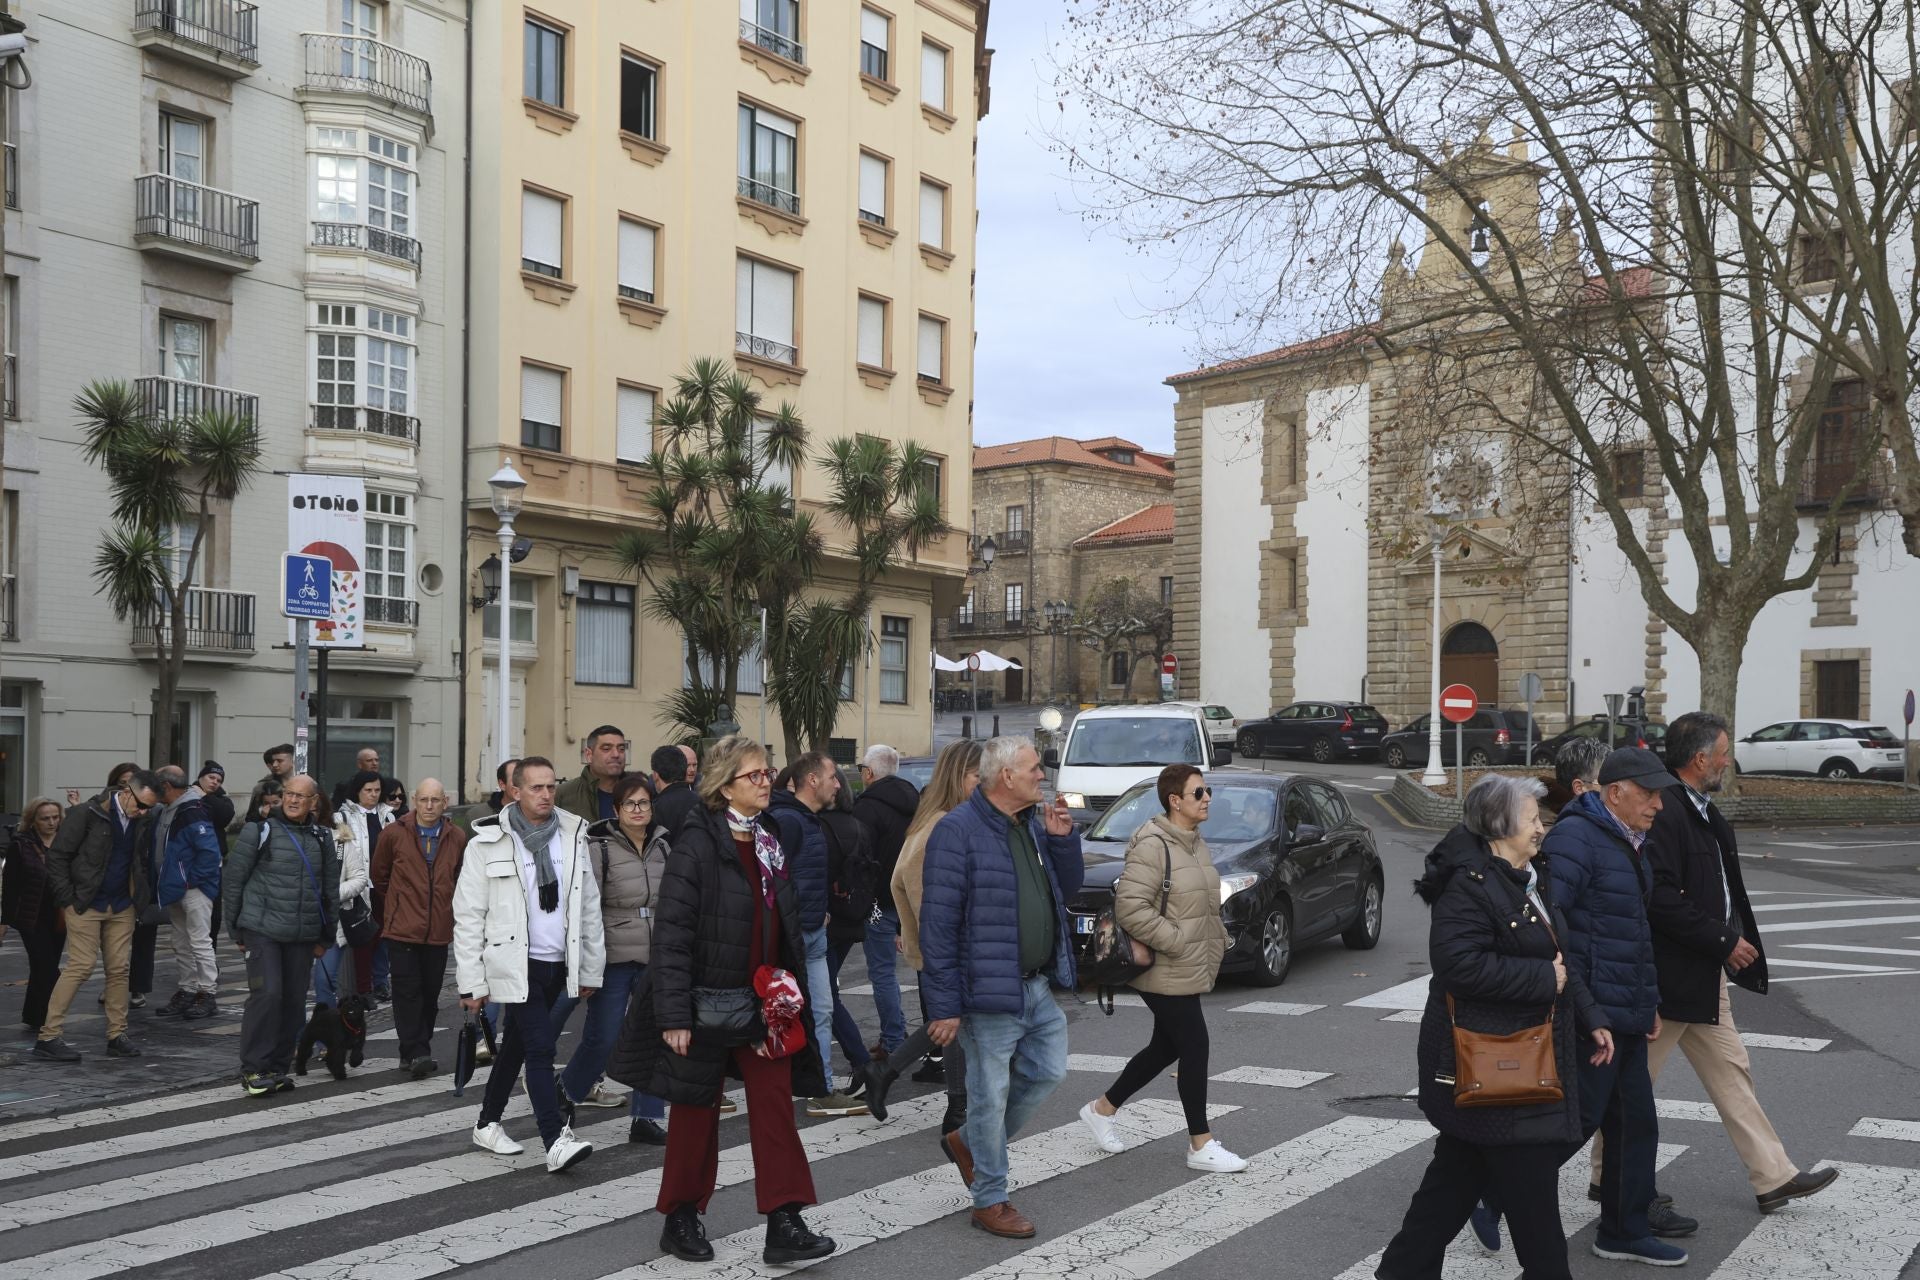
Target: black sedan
x,y
1324,730
1296,866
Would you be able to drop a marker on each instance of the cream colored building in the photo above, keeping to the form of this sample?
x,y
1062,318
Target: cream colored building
x,y
786,182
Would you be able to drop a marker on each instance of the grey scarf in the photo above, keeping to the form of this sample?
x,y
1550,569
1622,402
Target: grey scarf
x,y
537,839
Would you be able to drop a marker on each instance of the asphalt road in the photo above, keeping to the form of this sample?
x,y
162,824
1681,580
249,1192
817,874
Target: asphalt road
x,y
374,1178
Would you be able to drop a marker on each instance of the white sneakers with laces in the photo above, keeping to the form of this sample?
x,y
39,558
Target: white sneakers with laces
x,y
1105,1135
494,1138
567,1151
1214,1158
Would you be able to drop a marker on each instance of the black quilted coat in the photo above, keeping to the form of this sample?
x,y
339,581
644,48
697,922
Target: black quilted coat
x,y
702,934
1489,949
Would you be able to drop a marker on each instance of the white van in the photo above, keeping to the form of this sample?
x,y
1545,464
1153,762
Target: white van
x,y
1108,749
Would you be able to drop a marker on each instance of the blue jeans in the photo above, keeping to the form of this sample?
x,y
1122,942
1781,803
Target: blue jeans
x,y
326,978
1013,1063
528,1041
1617,1099
883,972
820,996
606,1010
845,1029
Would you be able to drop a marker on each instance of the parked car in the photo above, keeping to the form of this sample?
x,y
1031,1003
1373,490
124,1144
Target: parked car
x,y
1822,748
1109,749
1296,866
918,770
1222,725
1626,733
1491,737
1324,730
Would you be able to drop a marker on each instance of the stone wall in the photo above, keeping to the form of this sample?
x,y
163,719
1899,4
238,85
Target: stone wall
x,y
1088,678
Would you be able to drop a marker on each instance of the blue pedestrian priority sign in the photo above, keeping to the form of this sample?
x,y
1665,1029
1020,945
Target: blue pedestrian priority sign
x,y
308,582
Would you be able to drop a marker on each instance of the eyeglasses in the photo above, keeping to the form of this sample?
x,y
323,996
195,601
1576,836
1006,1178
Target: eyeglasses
x,y
1200,793
757,776
134,803
636,805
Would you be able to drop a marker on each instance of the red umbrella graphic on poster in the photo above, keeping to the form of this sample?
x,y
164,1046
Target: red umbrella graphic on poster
x,y
326,516
344,626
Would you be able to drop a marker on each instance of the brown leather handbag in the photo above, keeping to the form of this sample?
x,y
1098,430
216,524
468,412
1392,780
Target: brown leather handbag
x,y
1515,1070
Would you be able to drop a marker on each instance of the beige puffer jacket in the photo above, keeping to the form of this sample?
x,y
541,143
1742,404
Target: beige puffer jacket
x,y
1189,940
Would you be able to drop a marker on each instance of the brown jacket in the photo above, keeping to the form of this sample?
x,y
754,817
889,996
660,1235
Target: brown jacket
x,y
1188,940
906,887
414,901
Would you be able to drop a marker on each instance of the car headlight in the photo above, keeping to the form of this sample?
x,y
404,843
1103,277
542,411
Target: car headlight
x,y
1073,799
1230,885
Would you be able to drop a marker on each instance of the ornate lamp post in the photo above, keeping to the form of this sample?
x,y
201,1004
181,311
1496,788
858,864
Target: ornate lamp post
x,y
509,495
1435,775
1057,612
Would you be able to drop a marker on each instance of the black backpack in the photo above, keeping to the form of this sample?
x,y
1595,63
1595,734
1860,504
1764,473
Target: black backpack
x,y
852,876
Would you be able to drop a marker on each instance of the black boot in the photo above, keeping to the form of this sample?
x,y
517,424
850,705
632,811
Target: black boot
x,y
955,1118
685,1238
789,1241
933,1070
878,1077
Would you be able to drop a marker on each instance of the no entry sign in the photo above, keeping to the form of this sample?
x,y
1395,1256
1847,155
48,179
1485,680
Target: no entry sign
x,y
1457,703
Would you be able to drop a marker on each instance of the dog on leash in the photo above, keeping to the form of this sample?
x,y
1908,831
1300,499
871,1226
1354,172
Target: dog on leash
x,y
341,1033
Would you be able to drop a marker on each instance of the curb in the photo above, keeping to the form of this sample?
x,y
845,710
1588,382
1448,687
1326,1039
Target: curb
x,y
1876,804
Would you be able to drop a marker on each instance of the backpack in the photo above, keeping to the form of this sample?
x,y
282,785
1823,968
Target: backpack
x,y
852,876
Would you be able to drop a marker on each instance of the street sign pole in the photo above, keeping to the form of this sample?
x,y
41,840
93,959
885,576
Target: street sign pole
x,y
307,594
1460,760
1531,687
1909,773
300,628
1458,702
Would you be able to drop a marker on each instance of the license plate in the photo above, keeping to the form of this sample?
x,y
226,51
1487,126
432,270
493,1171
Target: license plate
x,y
1371,733
1083,924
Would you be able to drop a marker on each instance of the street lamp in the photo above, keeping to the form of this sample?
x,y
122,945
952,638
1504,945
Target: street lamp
x,y
1057,612
1435,775
509,495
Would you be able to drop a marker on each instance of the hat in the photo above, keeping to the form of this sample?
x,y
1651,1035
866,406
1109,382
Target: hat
x,y
213,766
1636,764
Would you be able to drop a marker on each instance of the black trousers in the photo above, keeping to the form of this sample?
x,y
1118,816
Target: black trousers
x,y
1179,1035
528,1041
1523,1180
277,978
43,948
146,937
417,970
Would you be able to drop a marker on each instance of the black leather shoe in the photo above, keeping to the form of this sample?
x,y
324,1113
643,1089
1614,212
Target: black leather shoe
x,y
121,1047
931,1071
55,1050
1800,1184
647,1131
1662,1221
877,1078
789,1240
684,1237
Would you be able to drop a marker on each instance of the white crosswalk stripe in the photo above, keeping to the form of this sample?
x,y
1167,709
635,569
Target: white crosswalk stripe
x,y
1875,1127
166,1104
1866,1231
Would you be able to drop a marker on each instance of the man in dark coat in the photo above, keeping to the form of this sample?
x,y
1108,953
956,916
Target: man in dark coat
x,y
675,769
884,808
796,816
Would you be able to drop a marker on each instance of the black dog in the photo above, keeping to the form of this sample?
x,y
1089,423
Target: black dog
x,y
341,1032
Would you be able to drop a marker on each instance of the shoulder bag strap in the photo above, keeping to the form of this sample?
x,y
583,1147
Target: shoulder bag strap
x,y
1166,877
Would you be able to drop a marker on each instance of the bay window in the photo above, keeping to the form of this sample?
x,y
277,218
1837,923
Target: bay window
x,y
363,362
363,193
389,532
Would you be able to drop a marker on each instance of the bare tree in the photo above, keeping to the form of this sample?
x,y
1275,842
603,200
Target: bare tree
x,y
1117,617
1693,242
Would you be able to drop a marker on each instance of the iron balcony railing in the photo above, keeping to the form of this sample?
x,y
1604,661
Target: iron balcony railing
x,y
376,422
765,348
12,396
166,399
13,176
1824,479
9,615
394,613
217,621
357,235
873,60
974,622
191,213
638,295
226,26
768,194
773,42
355,64
1013,542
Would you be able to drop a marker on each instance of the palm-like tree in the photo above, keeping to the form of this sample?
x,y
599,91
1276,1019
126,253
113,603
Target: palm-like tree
x,y
163,474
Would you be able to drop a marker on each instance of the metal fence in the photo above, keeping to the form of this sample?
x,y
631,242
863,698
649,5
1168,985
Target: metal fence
x,y
227,26
195,214
214,620
355,64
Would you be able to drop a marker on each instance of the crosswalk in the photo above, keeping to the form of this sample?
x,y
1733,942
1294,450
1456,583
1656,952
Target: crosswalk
x,y
376,1180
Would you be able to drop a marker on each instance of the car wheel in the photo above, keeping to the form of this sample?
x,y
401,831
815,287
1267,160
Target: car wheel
x,y
1248,746
1396,757
1323,749
1839,769
1364,932
1478,758
1275,939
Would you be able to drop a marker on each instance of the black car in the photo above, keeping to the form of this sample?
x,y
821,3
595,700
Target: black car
x,y
1626,733
1491,737
1295,865
1324,730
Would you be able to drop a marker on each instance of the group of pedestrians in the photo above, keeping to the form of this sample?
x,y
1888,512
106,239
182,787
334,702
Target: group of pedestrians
x,y
1618,932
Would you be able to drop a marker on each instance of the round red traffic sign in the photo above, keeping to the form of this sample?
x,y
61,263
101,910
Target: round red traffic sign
x,y
1169,665
1457,703
973,662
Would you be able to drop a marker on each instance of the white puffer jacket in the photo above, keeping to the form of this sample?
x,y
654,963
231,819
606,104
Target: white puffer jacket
x,y
490,914
356,854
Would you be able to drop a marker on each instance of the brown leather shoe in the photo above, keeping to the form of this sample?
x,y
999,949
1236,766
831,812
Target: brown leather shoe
x,y
1003,1220
956,1148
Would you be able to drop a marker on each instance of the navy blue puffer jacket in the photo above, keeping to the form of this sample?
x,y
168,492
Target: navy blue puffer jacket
x,y
805,845
969,913
1602,883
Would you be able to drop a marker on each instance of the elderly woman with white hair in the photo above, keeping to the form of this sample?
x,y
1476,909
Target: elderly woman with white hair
x,y
1494,945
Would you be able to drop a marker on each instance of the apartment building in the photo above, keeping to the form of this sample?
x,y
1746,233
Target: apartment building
x,y
785,183
257,209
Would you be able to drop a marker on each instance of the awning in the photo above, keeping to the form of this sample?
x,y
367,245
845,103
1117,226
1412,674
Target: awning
x,y
989,661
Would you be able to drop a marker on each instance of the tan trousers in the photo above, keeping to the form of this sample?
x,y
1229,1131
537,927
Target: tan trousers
x,y
1720,1060
92,935
192,920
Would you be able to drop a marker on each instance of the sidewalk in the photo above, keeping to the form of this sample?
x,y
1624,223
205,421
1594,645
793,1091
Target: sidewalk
x,y
1019,720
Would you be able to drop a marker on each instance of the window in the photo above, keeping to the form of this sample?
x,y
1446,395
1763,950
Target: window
x,y
546,64
336,177
389,186
873,332
874,42
777,474
1630,473
1290,586
363,19
966,611
933,76
176,549
774,25
1820,256
769,165
749,673
353,723
389,369
10,340
520,620
183,348
336,379
543,398
363,357
639,95
894,633
1016,600
1836,442
1119,669
763,311
1902,118
603,641
873,189
633,415
1017,519
543,220
389,558
932,362
638,245
1166,592
934,471
933,214
183,147
1836,689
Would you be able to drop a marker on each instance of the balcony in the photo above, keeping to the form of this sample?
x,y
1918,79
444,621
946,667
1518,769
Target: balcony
x,y
13,176
765,349
980,622
12,396
357,65
1014,542
374,240
9,614
780,46
197,223
1824,479
382,611
218,626
166,399
373,422
787,202
221,36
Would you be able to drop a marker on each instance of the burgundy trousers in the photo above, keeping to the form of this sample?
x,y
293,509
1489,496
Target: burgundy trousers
x,y
780,1172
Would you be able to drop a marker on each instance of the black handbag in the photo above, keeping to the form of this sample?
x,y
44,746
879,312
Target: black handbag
x,y
357,923
1107,962
727,1016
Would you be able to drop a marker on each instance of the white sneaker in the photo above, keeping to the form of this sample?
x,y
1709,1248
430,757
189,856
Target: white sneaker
x,y
601,1096
567,1151
1214,1158
494,1138
1104,1134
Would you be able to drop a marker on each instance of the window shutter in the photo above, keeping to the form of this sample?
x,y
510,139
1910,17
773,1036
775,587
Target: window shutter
x,y
634,434
540,228
873,29
873,335
931,332
541,391
933,214
933,75
873,186
773,304
636,256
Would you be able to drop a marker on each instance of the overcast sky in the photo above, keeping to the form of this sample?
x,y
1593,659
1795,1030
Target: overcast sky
x,y
1067,344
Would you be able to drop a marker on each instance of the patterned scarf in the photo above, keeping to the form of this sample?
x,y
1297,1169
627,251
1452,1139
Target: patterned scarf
x,y
537,839
766,847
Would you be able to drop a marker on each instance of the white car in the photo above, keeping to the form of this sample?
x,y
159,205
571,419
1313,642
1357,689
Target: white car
x,y
1822,748
1222,724
1109,749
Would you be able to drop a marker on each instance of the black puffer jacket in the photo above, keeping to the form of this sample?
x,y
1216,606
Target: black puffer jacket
x,y
702,937
1490,951
885,810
